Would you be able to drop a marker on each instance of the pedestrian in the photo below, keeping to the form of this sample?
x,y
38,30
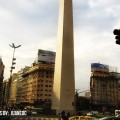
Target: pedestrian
x,y
68,115
63,115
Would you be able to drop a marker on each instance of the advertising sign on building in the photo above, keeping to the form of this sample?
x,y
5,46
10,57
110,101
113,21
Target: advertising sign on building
x,y
46,56
97,67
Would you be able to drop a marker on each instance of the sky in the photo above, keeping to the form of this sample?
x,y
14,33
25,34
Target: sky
x,y
33,24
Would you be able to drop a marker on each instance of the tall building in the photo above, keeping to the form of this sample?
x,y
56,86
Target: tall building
x,y
35,83
64,81
36,86
1,81
13,90
104,85
19,82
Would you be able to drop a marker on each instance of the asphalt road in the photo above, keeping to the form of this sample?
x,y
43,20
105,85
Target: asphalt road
x,y
29,118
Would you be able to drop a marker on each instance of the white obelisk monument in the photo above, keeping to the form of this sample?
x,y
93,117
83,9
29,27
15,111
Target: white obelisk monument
x,y
64,81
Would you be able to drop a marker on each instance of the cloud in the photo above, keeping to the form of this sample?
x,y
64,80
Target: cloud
x,y
34,23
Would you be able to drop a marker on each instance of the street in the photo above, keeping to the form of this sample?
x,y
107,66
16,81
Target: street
x,y
34,118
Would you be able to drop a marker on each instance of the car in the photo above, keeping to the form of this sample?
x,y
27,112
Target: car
x,y
110,118
90,118
82,118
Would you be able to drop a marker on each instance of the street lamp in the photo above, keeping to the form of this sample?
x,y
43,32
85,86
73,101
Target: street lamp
x,y
12,67
13,59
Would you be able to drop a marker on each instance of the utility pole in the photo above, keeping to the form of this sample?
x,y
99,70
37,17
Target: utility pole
x,y
11,70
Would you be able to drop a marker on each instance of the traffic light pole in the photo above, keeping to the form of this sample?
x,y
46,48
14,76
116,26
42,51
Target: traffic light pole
x,y
10,79
12,63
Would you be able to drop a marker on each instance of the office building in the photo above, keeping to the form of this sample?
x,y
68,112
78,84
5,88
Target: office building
x,y
104,86
35,83
36,86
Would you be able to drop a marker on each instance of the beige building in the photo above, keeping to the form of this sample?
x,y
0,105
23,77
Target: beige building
x,y
105,91
32,86
19,82
13,90
35,86
1,81
5,91
88,94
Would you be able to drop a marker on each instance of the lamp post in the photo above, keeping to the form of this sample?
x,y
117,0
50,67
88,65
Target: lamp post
x,y
12,67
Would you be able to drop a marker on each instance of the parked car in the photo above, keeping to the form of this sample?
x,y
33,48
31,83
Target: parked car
x,y
110,118
82,118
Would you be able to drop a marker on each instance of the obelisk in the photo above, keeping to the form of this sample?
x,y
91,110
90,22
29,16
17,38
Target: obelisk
x,y
64,80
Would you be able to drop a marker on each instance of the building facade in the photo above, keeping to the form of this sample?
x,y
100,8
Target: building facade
x,y
1,81
35,89
19,82
32,86
87,94
5,92
104,86
35,83
13,90
45,56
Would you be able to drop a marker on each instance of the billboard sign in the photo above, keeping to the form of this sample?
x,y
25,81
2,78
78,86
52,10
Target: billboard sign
x,y
46,56
97,67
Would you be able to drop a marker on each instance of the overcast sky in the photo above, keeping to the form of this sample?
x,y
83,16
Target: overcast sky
x,y
33,24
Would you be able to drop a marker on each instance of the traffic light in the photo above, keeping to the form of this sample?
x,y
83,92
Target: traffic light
x,y
13,61
117,37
